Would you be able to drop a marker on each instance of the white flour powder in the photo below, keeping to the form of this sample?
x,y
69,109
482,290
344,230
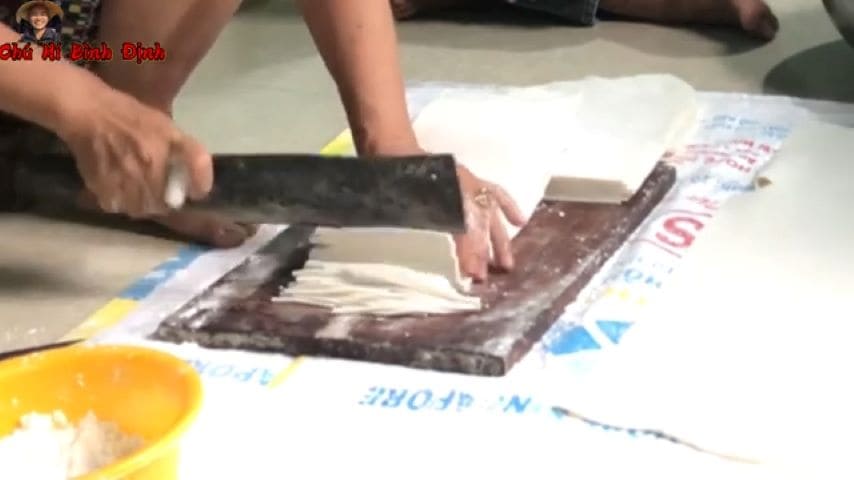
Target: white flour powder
x,y
49,447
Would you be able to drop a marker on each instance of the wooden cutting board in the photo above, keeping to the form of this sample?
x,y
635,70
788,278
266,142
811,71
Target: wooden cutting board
x,y
558,252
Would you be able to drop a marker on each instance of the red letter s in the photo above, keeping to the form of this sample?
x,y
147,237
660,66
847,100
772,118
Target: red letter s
x,y
675,233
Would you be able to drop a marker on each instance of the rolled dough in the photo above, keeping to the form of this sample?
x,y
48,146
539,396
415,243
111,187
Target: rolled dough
x,y
624,127
599,142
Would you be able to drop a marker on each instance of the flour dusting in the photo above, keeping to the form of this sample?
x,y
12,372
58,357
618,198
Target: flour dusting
x,y
49,447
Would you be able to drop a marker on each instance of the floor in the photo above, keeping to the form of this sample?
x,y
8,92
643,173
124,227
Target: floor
x,y
263,88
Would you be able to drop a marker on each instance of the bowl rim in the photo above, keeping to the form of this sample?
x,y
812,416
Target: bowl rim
x,y
152,452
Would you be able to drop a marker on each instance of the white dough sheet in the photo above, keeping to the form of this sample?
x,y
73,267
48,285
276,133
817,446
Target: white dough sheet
x,y
384,271
596,138
516,140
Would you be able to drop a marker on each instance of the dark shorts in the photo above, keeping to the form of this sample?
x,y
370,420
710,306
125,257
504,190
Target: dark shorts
x,y
580,12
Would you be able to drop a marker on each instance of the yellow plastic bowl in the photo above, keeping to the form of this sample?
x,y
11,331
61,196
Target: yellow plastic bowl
x,y
145,392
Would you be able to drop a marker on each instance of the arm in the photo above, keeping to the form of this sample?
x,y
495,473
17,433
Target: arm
x,y
357,41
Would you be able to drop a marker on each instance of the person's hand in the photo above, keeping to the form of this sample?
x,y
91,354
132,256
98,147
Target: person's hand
x,y
486,241
123,149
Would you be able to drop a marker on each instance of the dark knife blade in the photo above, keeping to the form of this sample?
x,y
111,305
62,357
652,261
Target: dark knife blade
x,y
420,191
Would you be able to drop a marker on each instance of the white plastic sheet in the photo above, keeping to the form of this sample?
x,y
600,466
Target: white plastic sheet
x,y
267,415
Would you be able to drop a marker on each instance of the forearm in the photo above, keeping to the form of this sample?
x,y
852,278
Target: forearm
x,y
37,90
358,43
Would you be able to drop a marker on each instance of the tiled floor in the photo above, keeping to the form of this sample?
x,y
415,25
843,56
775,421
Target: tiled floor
x,y
263,88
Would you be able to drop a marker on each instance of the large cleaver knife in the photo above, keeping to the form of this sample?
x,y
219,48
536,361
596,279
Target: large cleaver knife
x,y
420,192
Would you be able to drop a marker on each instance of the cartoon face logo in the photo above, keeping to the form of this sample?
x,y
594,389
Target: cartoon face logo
x,y
38,13
38,16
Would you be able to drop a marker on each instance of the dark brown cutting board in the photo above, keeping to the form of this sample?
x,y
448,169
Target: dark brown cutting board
x,y
558,252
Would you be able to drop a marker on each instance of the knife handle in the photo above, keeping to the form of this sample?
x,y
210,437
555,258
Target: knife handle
x,y
177,184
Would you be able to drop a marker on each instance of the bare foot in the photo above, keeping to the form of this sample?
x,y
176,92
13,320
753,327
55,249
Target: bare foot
x,y
207,229
404,9
199,227
753,16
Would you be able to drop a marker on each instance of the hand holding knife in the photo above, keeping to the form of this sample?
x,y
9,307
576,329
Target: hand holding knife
x,y
416,191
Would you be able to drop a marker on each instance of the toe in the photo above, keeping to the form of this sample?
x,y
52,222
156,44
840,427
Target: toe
x,y
757,19
207,229
199,227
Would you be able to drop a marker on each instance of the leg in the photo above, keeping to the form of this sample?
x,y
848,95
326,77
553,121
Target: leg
x,y
752,16
186,30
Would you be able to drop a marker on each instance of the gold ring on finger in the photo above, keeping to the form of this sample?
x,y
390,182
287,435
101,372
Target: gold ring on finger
x,y
483,198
